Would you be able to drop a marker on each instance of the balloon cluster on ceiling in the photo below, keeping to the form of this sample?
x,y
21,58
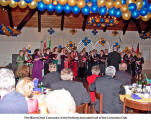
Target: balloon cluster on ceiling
x,y
118,8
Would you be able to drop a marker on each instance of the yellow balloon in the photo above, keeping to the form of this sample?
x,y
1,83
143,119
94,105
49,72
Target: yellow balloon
x,y
13,4
117,4
130,1
109,3
55,2
63,2
89,4
32,5
81,3
126,15
72,2
22,4
139,4
146,17
47,2
124,8
4,2
101,3
37,0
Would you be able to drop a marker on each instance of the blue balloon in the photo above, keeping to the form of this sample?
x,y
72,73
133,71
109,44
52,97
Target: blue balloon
x,y
93,21
86,10
28,1
118,13
102,20
94,8
107,25
135,14
112,11
86,1
149,8
59,8
41,6
103,10
76,9
94,2
98,25
50,7
9,30
67,8
123,1
145,3
112,21
143,12
16,0
132,7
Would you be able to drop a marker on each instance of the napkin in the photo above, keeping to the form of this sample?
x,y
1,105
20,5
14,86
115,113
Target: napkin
x,y
134,96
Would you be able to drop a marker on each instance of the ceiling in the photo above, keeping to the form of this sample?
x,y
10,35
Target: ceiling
x,y
54,20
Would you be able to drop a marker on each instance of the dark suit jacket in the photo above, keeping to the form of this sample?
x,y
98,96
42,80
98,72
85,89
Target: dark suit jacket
x,y
124,76
110,88
51,78
114,59
76,89
13,103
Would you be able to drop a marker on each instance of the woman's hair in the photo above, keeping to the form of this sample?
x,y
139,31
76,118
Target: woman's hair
x,y
35,53
95,70
52,67
66,74
22,71
25,86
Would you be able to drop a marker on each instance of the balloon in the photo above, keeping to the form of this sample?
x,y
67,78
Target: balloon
x,y
118,13
94,2
124,8
76,9
93,21
111,11
129,1
67,8
94,8
101,3
123,1
72,2
103,25
41,6
132,7
16,0
135,14
22,4
55,2
87,1
13,4
81,3
86,10
103,10
4,3
139,4
102,20
98,25
63,2
146,18
50,7
143,12
117,4
149,8
89,4
59,8
32,5
28,1
126,15
47,2
145,3
109,3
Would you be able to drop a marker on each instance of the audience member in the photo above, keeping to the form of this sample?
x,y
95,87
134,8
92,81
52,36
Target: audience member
x,y
22,71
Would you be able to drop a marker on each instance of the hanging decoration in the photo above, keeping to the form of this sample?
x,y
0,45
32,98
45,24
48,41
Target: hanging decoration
x,y
86,41
102,21
73,31
51,31
94,31
144,35
116,44
28,48
113,8
70,45
9,31
102,42
126,50
115,33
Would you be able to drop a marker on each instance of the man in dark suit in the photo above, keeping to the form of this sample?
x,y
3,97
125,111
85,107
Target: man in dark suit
x,y
51,77
114,59
110,88
123,75
11,102
76,89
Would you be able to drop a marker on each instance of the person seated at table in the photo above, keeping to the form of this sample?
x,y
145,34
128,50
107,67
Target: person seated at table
x,y
11,102
76,89
110,88
51,77
123,75
25,87
60,102
90,79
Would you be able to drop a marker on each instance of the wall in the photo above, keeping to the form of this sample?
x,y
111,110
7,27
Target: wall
x,y
11,45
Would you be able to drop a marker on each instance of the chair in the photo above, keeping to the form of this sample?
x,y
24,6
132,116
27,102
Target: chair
x,y
136,105
83,108
100,97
